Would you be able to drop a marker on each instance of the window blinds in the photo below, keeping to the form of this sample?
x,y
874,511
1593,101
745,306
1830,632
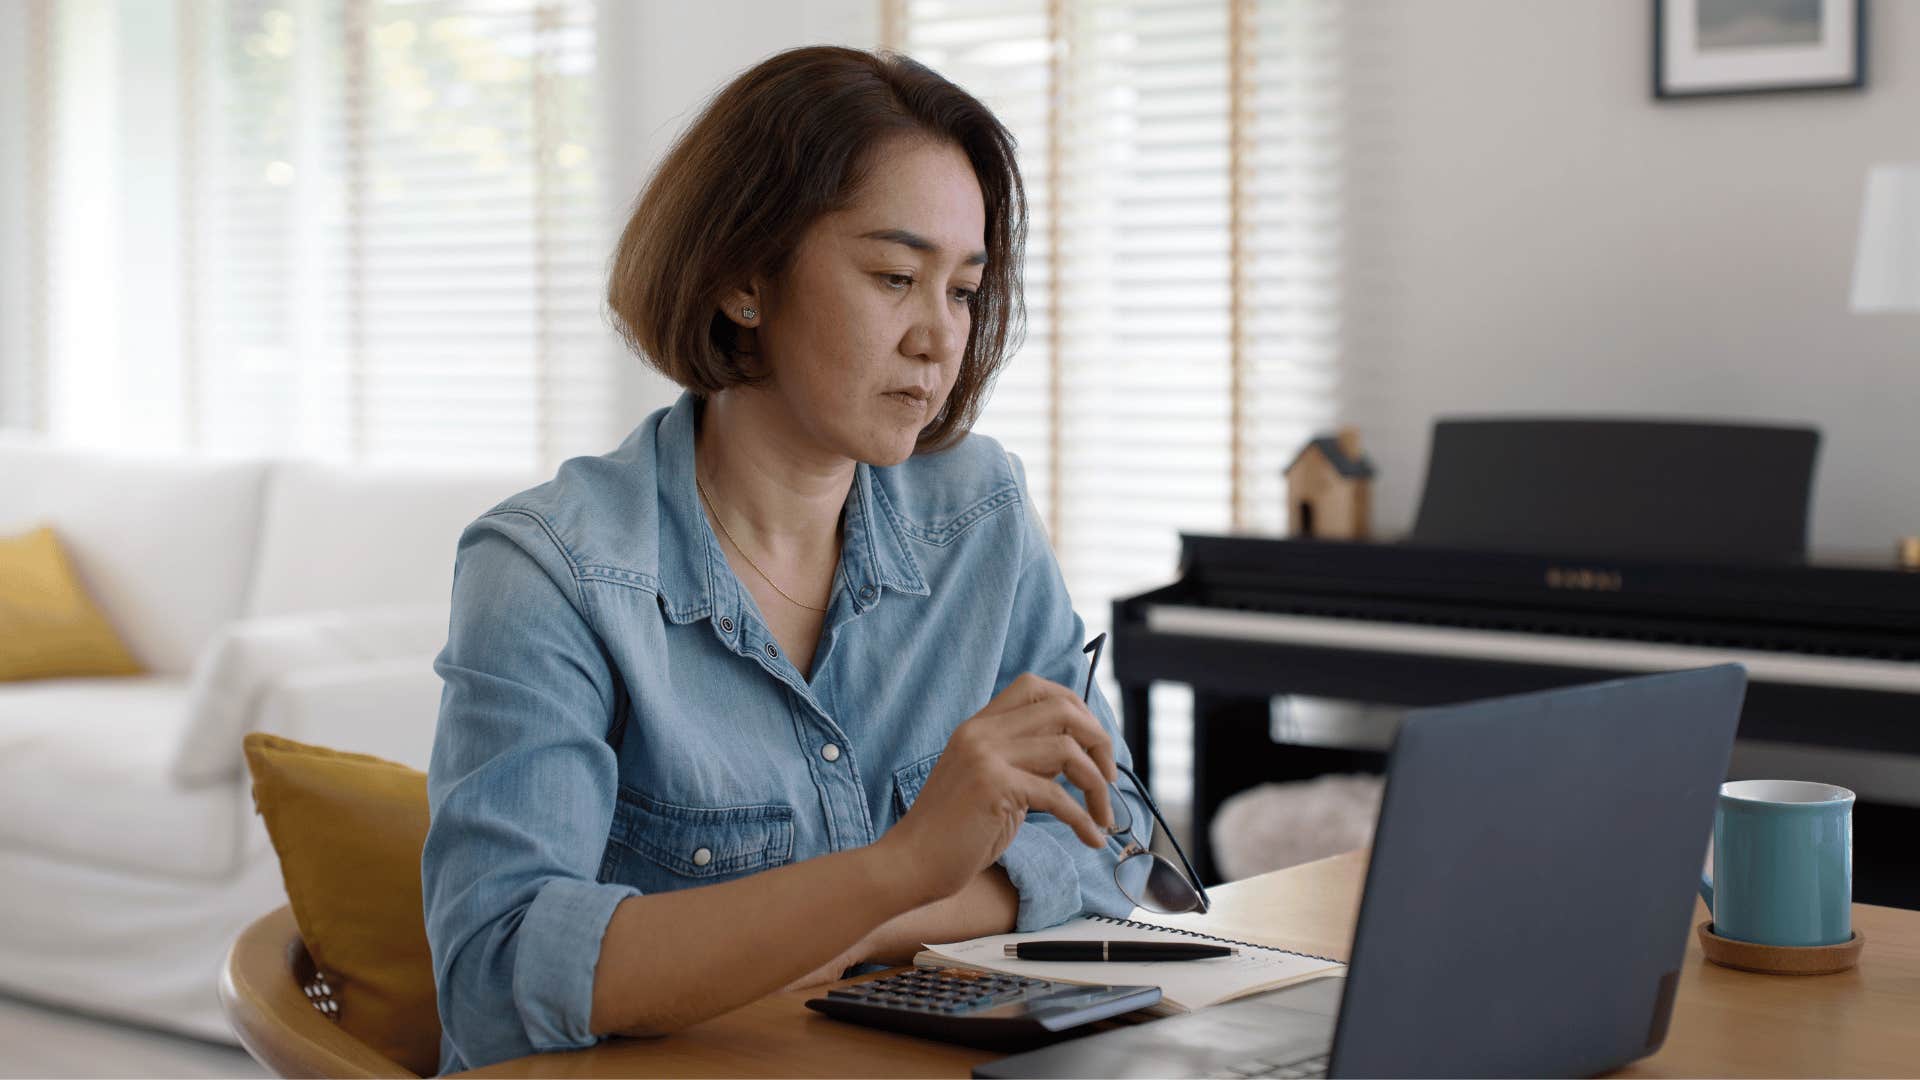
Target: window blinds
x,y
403,255
1182,158
390,242
1008,45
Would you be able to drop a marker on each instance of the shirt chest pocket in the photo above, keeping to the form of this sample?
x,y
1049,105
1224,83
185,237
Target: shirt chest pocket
x,y
908,781
659,846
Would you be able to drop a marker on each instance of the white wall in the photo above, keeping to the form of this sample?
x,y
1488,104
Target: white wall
x,y
1532,231
664,61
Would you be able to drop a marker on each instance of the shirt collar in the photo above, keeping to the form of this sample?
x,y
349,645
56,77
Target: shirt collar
x,y
874,534
695,579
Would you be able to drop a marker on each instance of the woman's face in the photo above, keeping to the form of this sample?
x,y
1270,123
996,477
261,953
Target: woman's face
x,y
863,330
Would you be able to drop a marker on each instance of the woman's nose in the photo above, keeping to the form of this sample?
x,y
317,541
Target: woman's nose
x,y
940,332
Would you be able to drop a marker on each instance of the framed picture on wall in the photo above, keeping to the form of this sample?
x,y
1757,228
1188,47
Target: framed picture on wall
x,y
1713,47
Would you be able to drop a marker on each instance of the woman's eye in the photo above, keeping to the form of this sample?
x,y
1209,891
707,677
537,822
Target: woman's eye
x,y
903,282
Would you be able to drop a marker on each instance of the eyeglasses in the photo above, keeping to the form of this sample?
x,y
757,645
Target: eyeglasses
x,y
1148,880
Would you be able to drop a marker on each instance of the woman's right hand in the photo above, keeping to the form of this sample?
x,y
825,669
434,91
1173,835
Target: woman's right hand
x,y
998,765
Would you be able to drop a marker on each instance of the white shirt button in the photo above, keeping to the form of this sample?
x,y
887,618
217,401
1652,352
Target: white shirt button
x,y
830,752
702,857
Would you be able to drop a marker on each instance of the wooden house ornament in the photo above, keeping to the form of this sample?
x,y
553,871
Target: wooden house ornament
x,y
1329,489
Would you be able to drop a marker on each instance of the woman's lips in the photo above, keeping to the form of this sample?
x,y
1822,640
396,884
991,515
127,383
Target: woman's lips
x,y
916,402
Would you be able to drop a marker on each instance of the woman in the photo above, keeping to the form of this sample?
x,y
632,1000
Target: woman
x,y
780,685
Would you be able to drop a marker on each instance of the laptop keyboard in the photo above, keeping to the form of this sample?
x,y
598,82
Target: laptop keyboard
x,y
1278,1067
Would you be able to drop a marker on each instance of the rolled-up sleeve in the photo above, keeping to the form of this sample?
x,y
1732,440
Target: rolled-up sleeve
x,y
521,790
1056,875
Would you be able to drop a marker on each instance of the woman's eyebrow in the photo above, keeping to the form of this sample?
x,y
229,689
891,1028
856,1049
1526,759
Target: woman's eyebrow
x,y
919,243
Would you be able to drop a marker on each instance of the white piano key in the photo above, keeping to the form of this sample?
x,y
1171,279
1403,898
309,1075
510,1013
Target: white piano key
x,y
1517,648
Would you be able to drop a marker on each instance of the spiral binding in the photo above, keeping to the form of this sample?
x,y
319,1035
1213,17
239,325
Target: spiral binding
x,y
1138,925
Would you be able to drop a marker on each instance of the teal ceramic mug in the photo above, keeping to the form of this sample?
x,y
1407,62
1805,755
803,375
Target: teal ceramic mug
x,y
1782,863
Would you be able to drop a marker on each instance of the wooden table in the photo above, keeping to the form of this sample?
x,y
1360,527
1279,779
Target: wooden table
x,y
1864,1022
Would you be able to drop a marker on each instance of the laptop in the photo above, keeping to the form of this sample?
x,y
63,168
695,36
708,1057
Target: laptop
x,y
1526,909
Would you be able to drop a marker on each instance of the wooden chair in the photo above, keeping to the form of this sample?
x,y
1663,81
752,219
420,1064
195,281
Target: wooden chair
x,y
262,992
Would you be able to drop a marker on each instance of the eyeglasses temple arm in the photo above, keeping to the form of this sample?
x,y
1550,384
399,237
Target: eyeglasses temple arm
x,y
1147,798
1096,647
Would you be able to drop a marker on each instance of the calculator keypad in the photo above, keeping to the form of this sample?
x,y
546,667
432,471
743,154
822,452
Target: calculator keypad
x,y
944,991
980,1008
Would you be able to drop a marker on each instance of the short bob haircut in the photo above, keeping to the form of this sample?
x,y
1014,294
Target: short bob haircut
x,y
783,144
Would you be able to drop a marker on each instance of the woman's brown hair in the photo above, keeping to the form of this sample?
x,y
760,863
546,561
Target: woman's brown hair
x,y
781,145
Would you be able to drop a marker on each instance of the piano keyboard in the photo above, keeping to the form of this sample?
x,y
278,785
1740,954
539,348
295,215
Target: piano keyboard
x,y
1522,648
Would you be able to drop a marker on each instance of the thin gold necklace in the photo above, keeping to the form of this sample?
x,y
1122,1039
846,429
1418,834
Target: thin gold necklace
x,y
743,551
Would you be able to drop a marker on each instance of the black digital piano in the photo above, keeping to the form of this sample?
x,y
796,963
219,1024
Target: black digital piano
x,y
1832,652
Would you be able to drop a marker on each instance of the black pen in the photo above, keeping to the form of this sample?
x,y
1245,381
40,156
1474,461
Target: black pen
x,y
1115,950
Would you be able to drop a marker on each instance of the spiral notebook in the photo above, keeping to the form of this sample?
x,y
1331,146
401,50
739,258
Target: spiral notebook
x,y
1185,985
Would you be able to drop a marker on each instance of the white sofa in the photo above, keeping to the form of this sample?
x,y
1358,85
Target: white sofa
x,y
301,599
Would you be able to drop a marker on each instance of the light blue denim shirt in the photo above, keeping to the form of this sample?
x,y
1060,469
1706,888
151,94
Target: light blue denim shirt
x,y
617,718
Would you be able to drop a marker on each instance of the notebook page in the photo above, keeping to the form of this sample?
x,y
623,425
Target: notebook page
x,y
1185,985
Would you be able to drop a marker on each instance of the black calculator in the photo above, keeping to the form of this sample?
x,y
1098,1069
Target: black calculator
x,y
979,1008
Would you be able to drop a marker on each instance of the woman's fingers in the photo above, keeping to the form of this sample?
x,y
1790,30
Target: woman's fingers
x,y
1070,716
1047,756
1031,692
1026,690
1044,729
1050,798
1101,751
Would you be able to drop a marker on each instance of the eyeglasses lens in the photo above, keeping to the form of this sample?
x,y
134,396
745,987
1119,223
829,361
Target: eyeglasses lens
x,y
1152,882
1148,880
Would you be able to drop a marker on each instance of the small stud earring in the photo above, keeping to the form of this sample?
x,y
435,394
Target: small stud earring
x,y
749,314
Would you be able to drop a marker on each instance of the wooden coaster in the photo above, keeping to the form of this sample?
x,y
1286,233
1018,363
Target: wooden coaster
x,y
1780,959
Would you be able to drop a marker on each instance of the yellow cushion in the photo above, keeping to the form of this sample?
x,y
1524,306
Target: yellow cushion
x,y
49,629
349,829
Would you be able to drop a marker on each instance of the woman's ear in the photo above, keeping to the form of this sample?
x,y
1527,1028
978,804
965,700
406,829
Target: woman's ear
x,y
744,305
